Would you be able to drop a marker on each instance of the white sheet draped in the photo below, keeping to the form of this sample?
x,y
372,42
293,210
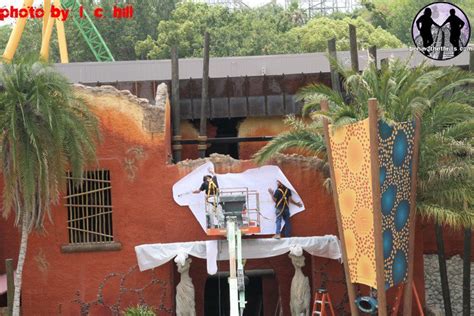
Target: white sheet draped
x,y
154,255
259,179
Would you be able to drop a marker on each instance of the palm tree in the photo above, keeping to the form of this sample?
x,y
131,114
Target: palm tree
x,y
46,129
442,98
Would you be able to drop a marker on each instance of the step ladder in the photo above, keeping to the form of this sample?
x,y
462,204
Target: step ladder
x,y
399,297
321,299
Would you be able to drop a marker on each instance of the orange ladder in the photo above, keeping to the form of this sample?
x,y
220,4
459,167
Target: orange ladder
x,y
399,296
321,299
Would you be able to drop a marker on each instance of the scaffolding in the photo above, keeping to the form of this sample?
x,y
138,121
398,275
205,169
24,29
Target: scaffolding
x,y
324,7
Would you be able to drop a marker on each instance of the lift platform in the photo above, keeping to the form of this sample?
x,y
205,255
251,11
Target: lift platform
x,y
240,205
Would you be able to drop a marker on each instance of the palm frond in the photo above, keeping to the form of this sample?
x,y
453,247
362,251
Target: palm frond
x,y
294,139
46,129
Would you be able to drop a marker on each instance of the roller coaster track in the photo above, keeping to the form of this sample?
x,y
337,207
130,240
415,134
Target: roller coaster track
x,y
88,30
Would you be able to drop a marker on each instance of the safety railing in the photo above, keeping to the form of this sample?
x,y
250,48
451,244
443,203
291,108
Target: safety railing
x,y
239,204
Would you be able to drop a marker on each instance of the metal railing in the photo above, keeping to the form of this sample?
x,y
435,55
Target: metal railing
x,y
250,213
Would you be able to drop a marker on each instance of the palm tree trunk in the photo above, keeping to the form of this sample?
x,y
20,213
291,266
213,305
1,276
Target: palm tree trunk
x,y
442,270
19,267
466,286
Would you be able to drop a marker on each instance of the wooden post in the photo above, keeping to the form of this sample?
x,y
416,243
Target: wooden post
x,y
466,282
350,286
334,74
373,53
466,286
354,50
177,147
204,98
375,170
10,285
471,58
445,292
407,296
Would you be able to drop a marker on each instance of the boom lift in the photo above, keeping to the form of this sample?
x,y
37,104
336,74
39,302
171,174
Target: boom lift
x,y
233,213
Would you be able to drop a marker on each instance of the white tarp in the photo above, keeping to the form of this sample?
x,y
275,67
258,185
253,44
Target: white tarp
x,y
259,179
155,255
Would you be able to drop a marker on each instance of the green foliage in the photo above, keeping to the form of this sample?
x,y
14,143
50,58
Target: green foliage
x,y
242,32
156,25
261,31
443,100
139,310
30,40
120,35
397,16
46,130
314,36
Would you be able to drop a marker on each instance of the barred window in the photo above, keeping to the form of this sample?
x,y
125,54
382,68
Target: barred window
x,y
89,206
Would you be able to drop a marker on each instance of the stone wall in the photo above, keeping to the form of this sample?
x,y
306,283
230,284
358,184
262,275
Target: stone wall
x,y
434,298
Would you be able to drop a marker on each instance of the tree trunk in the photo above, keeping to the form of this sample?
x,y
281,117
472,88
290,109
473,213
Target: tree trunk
x,y
442,270
21,261
466,286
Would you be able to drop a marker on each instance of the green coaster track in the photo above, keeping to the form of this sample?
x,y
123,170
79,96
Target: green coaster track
x,y
88,30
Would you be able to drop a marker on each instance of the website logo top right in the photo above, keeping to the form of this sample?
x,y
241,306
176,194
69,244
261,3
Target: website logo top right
x,y
441,31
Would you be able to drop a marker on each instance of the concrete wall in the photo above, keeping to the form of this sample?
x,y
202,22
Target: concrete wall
x,y
434,298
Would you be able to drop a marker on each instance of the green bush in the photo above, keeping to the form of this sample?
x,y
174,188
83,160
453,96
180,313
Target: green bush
x,y
139,310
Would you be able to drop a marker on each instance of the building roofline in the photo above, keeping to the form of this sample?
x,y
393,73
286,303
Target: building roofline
x,y
221,67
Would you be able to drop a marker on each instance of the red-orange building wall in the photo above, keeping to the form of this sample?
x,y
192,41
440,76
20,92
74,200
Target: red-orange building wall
x,y
57,283
144,212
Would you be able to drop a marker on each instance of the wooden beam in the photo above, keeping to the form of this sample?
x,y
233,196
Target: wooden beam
x,y
350,286
10,285
228,140
466,293
375,170
334,74
204,96
408,295
176,108
373,53
353,48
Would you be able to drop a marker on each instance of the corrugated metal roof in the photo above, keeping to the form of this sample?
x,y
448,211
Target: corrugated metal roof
x,y
220,67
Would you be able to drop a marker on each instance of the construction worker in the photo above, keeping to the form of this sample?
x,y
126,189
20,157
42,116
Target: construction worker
x,y
211,187
282,198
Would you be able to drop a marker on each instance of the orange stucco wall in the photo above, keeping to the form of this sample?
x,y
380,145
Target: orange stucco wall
x,y
258,126
144,212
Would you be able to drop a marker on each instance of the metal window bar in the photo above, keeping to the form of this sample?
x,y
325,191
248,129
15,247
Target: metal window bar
x,y
89,205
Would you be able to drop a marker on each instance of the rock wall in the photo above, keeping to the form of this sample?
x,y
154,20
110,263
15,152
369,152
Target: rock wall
x,y
434,298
